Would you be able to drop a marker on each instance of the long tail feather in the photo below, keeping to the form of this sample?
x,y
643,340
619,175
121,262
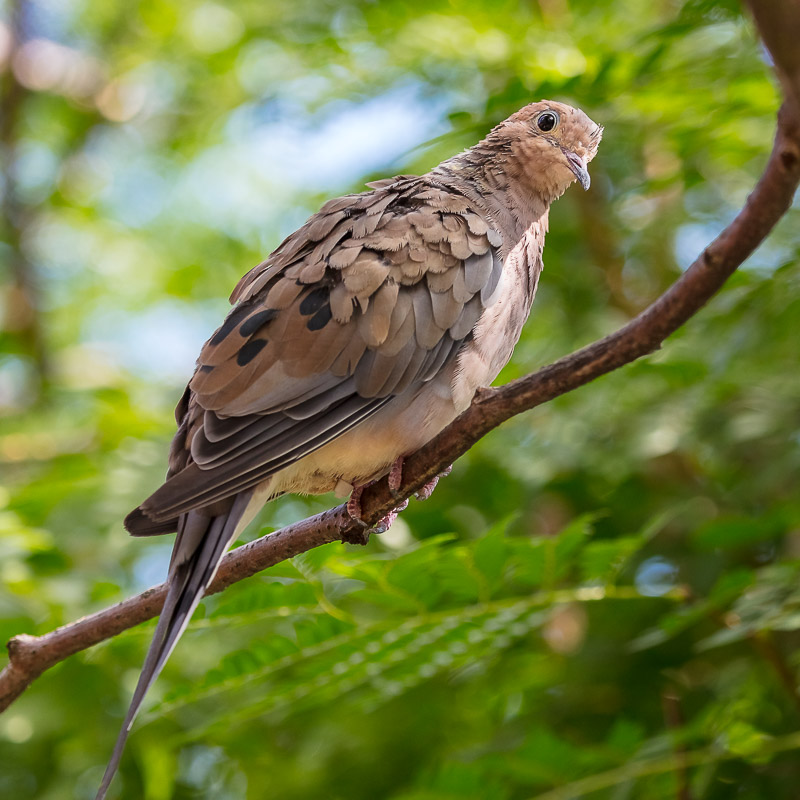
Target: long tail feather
x,y
199,548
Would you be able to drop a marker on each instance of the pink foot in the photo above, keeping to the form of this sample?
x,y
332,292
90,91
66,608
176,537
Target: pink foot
x,y
354,505
427,490
354,511
384,523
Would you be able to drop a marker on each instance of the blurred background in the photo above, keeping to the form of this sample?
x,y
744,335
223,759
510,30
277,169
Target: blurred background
x,y
602,599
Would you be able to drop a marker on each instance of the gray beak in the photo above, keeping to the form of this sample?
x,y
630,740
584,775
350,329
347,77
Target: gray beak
x,y
578,166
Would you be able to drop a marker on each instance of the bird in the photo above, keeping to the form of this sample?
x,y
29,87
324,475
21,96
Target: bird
x,y
360,338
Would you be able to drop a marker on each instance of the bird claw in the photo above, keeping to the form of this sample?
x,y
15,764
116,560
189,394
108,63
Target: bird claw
x,y
427,490
384,523
354,512
395,479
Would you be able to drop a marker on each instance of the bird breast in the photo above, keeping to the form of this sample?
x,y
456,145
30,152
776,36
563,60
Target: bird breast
x,y
497,331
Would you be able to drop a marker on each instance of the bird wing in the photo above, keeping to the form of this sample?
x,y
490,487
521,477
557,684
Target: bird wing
x,y
368,300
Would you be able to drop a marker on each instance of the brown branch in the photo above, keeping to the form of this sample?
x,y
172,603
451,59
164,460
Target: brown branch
x,y
778,23
30,656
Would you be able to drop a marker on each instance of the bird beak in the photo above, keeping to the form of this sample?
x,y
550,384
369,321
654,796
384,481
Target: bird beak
x,y
578,166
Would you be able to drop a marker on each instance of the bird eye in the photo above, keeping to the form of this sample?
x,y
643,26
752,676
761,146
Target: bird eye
x,y
547,121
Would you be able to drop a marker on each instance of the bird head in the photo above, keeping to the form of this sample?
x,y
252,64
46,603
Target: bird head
x,y
549,145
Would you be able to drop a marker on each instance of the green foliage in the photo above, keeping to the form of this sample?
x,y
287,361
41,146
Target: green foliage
x,y
601,601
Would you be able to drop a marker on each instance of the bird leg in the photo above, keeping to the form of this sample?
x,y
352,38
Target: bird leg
x,y
384,523
395,477
354,512
427,490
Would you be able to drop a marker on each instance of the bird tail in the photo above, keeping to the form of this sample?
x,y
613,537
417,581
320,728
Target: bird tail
x,y
199,548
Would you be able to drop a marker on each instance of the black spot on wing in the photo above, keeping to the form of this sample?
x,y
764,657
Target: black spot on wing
x,y
182,409
320,319
233,319
250,351
314,301
256,321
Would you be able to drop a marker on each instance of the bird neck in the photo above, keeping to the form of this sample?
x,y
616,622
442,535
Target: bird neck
x,y
483,175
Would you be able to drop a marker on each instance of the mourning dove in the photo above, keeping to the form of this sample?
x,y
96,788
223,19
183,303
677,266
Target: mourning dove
x,y
357,341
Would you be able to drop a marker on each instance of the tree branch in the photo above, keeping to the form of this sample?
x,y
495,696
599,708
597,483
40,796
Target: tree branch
x,y
30,656
778,23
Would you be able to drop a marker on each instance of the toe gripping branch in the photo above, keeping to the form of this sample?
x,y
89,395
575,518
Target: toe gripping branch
x,y
395,479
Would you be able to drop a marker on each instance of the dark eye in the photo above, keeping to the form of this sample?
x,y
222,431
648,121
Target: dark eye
x,y
547,121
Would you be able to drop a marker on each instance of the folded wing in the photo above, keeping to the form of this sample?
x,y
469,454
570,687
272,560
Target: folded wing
x,y
365,302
